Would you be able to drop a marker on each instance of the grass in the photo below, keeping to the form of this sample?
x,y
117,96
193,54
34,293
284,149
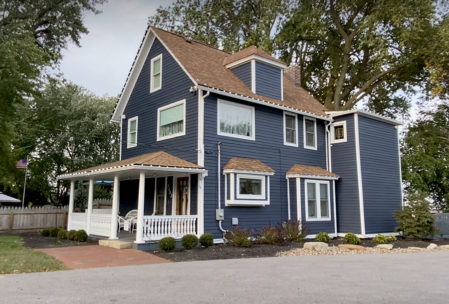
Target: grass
x,y
14,258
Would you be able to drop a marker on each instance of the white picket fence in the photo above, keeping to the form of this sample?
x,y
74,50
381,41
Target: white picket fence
x,y
18,218
158,227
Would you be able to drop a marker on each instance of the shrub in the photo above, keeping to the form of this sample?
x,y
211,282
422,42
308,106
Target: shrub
x,y
415,219
351,238
54,232
206,240
167,244
71,234
391,239
293,231
189,241
238,238
322,237
80,236
62,234
271,235
380,239
45,232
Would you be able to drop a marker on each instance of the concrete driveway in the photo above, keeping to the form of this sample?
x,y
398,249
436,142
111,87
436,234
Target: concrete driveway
x,y
389,278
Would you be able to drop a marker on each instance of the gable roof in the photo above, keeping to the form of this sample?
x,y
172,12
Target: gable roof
x,y
205,67
310,171
247,164
250,51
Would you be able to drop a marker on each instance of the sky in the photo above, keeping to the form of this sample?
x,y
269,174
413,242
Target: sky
x,y
104,59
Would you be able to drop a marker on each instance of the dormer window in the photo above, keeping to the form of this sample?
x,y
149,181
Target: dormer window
x,y
156,74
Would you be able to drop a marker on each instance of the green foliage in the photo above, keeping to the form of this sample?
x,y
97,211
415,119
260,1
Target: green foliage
x,y
206,240
271,235
54,232
80,236
238,238
391,239
322,237
62,234
45,232
351,238
380,239
293,231
415,219
424,169
71,235
167,244
189,241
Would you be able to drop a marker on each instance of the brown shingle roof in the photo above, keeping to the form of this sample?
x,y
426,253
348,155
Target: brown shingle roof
x,y
249,51
205,65
310,170
158,159
247,164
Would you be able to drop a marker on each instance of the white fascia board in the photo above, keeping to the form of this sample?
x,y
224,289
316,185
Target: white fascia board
x,y
320,177
137,66
359,174
366,114
258,58
247,172
262,102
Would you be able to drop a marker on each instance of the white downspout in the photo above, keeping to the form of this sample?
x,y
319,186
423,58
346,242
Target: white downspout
x,y
219,184
288,199
328,148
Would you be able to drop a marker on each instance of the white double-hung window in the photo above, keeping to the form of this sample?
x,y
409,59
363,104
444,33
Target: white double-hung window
x,y
235,120
132,132
290,129
156,74
310,133
317,200
171,120
338,132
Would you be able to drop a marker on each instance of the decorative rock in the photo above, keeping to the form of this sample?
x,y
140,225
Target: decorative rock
x,y
415,248
432,246
317,246
385,246
351,247
444,247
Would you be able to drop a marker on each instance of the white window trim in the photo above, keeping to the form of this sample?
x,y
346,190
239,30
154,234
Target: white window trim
x,y
247,201
345,136
253,117
152,88
128,143
262,178
318,200
304,132
159,110
296,126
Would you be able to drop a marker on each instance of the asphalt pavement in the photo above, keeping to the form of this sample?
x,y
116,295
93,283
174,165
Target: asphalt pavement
x,y
375,278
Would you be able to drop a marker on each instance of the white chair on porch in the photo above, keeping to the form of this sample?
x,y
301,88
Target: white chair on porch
x,y
128,221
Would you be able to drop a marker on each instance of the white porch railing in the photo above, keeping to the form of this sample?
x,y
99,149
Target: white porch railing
x,y
78,221
176,226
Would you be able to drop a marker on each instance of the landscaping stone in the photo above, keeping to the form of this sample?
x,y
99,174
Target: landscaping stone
x,y
385,246
444,247
432,246
317,246
415,248
351,247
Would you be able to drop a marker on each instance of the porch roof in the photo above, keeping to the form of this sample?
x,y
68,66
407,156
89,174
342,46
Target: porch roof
x,y
299,170
157,162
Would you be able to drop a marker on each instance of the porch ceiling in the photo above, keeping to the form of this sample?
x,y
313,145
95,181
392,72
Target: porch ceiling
x,y
153,164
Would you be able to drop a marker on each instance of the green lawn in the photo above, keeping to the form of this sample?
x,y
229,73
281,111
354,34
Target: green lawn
x,y
14,258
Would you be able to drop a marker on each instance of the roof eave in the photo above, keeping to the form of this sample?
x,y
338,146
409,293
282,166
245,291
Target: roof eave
x,y
366,114
294,175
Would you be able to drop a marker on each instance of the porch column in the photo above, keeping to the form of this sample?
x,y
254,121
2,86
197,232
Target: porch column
x,y
71,203
115,204
90,200
200,205
140,206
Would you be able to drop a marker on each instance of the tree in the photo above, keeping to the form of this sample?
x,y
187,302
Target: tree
x,y
346,51
63,130
425,162
32,35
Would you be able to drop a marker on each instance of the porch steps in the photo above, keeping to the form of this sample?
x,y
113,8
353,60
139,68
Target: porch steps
x,y
117,244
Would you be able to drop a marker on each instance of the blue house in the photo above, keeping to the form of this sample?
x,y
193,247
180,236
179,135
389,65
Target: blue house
x,y
211,141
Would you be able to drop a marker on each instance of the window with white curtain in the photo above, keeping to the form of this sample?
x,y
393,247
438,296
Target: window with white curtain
x,y
171,120
235,120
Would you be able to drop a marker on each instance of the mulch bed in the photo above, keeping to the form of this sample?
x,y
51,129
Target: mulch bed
x,y
225,251
35,240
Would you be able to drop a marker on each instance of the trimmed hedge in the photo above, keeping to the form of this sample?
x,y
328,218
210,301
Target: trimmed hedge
x,y
167,244
45,232
322,237
71,235
54,232
206,240
351,238
62,234
189,241
80,236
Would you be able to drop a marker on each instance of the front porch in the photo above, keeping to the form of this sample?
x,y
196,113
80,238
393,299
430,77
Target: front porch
x,y
168,200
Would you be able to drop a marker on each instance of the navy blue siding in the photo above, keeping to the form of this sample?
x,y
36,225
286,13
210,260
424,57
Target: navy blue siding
x,y
129,191
379,160
244,73
293,209
175,87
268,80
269,148
344,164
315,227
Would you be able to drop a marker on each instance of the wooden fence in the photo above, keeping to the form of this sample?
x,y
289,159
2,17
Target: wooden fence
x,y
17,218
